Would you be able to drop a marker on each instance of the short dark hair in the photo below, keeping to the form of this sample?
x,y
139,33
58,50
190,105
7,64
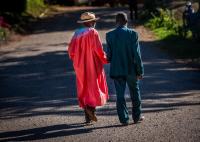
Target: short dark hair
x,y
89,24
121,18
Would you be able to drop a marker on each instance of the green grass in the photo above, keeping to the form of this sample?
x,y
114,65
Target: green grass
x,y
163,33
178,47
166,29
20,21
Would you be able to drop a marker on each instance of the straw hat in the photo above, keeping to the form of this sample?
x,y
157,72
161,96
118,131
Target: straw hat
x,y
87,17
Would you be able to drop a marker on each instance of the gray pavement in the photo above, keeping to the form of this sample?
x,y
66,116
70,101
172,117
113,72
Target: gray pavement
x,y
38,93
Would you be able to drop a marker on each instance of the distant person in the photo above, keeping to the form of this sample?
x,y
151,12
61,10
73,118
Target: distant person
x,y
191,20
123,53
133,6
188,15
86,52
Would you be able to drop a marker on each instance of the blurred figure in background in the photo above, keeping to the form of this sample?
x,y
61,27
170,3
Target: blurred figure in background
x,y
191,21
187,15
133,6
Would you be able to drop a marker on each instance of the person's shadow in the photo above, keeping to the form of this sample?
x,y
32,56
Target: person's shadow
x,y
50,132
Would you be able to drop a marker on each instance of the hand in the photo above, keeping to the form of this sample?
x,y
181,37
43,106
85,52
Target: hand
x,y
139,77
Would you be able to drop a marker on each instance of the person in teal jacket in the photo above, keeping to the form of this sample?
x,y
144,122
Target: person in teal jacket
x,y
123,53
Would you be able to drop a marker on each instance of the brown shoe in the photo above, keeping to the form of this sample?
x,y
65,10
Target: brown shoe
x,y
87,119
91,114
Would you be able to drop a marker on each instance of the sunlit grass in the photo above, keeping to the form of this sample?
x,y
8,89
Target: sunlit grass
x,y
163,33
179,47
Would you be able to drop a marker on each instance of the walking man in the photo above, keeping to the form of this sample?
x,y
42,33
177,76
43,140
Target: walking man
x,y
86,52
123,53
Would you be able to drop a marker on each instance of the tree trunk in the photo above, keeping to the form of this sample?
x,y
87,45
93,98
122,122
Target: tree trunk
x,y
199,6
150,5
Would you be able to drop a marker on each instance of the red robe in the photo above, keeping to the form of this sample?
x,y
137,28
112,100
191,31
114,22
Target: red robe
x,y
86,52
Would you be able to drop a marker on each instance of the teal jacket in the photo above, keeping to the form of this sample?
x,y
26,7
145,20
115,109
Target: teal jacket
x,y
123,52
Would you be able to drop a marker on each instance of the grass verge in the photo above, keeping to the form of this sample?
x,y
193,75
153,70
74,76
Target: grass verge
x,y
166,28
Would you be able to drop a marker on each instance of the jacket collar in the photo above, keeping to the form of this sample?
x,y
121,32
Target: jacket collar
x,y
121,26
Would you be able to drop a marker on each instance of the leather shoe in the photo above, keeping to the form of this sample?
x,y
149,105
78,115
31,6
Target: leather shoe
x,y
125,124
141,118
91,114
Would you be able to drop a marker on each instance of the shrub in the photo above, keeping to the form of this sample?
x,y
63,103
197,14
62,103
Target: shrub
x,y
164,18
163,23
35,7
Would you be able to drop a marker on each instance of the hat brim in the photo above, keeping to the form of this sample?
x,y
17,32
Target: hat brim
x,y
89,20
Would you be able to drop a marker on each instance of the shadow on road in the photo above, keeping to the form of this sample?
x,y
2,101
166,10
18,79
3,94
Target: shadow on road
x,y
45,132
49,132
47,80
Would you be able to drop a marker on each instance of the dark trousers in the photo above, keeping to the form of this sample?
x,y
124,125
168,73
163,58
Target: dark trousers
x,y
122,110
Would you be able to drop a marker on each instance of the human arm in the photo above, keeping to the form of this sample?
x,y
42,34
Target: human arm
x,y
99,49
108,49
137,58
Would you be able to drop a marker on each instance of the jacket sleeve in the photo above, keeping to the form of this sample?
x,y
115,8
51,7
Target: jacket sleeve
x,y
99,49
108,49
137,56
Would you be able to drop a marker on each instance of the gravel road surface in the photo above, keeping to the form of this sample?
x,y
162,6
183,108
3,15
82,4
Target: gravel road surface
x,y
38,93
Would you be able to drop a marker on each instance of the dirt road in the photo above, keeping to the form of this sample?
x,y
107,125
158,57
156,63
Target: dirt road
x,y
38,93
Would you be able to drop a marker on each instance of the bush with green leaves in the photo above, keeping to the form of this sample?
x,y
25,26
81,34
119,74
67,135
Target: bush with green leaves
x,y
163,23
163,18
35,7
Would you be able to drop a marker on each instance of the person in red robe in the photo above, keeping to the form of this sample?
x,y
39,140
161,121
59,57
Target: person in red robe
x,y
86,52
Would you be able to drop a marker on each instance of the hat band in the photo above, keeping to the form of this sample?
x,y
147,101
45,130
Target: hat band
x,y
88,19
